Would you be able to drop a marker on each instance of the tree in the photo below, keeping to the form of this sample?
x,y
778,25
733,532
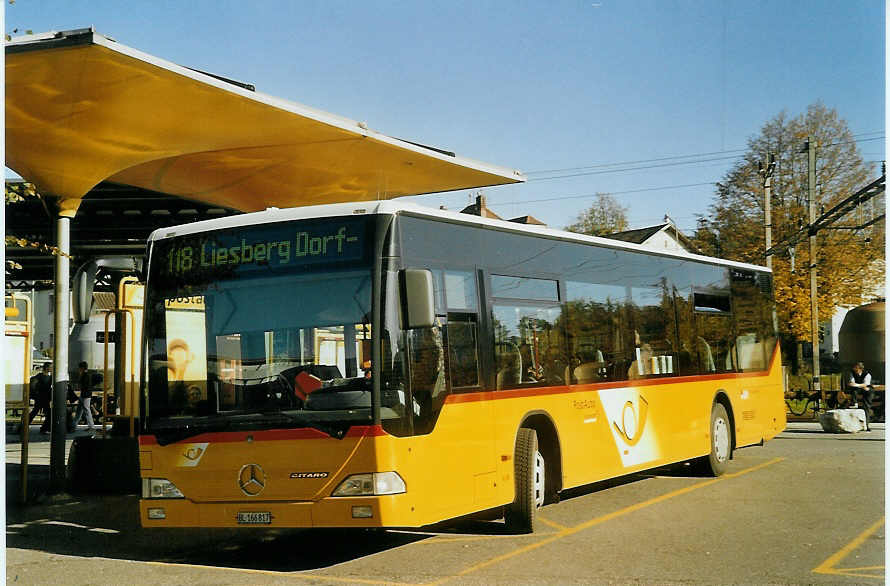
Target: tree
x,y
850,262
605,216
16,192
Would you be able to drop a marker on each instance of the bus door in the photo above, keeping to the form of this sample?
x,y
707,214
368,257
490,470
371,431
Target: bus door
x,y
449,405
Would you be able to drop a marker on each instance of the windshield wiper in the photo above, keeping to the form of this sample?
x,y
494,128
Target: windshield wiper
x,y
169,435
333,424
335,429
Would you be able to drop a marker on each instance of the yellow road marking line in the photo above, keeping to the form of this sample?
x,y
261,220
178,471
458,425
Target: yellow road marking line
x,y
473,538
599,520
828,566
863,568
839,573
553,524
751,469
667,496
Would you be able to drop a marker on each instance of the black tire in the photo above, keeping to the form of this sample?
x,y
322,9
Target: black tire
x,y
720,432
529,474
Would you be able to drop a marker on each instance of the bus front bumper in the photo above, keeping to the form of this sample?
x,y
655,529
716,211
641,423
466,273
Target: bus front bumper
x,y
376,511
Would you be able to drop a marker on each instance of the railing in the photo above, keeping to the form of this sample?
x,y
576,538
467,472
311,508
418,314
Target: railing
x,y
129,392
801,399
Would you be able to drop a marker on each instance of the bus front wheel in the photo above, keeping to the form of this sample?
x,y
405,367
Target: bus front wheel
x,y
530,475
715,463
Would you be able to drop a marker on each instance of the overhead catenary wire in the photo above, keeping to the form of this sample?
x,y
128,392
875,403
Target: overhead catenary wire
x,y
696,156
568,197
585,195
625,169
637,162
873,189
635,165
601,170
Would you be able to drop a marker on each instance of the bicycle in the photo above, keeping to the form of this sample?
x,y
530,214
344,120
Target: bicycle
x,y
811,401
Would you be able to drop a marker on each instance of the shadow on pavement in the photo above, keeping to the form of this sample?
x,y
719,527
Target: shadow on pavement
x,y
875,434
603,485
483,523
108,526
843,437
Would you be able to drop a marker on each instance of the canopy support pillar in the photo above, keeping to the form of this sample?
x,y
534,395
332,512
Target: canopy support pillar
x,y
67,210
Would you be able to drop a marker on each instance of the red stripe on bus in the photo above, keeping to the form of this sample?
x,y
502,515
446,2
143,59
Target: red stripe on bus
x,y
557,390
367,431
269,435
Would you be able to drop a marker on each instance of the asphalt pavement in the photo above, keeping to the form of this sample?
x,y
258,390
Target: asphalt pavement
x,y
807,508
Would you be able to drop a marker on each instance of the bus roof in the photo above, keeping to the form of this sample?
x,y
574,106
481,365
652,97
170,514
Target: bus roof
x,y
399,207
82,108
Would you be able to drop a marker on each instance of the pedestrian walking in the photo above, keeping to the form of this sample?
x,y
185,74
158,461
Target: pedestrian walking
x,y
42,391
86,393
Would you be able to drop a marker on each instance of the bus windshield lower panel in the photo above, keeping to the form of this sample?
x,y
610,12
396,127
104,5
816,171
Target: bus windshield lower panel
x,y
281,340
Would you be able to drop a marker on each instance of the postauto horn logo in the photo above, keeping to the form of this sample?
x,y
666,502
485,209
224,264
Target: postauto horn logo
x,y
631,425
627,412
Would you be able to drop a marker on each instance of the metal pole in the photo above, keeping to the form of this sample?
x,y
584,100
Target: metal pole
x,y
767,210
60,357
67,211
814,250
26,399
105,387
767,174
25,425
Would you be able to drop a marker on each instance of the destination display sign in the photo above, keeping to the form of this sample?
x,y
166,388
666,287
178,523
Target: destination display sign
x,y
266,247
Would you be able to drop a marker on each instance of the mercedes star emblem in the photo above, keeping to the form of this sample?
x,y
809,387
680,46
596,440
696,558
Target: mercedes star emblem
x,y
251,479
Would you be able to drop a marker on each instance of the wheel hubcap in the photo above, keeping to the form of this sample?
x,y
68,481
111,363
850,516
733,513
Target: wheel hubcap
x,y
721,439
539,479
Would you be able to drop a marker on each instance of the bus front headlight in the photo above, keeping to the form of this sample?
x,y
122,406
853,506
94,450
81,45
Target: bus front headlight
x,y
160,488
372,484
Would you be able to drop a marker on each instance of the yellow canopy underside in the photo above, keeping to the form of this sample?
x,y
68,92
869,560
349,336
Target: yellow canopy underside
x,y
79,115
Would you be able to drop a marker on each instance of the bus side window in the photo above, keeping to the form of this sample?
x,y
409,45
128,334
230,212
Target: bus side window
x,y
459,298
711,346
596,332
751,344
528,345
463,353
695,355
427,374
712,311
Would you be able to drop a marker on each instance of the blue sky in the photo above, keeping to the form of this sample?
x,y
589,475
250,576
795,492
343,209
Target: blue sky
x,y
535,85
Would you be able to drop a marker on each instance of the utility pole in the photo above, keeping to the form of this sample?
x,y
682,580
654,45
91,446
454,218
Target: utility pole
x,y
814,298
767,175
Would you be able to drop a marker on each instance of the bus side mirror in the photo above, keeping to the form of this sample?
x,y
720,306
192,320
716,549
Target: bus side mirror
x,y
82,291
418,309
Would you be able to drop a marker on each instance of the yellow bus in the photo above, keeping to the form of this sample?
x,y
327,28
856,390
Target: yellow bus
x,y
387,365
18,330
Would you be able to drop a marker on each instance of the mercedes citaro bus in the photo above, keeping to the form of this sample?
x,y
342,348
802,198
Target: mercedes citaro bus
x,y
387,365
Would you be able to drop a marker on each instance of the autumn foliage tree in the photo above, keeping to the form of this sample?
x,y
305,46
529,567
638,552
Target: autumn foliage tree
x,y
850,262
604,216
17,191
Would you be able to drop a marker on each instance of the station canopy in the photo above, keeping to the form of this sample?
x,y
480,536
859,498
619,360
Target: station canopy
x,y
82,109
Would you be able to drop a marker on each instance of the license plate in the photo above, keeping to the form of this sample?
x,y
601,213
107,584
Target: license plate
x,y
254,518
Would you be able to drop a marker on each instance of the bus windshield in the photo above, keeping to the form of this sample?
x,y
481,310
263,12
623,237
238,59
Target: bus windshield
x,y
260,327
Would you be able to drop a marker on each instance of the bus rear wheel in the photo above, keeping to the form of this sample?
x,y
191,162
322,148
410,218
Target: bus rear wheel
x,y
530,478
715,463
